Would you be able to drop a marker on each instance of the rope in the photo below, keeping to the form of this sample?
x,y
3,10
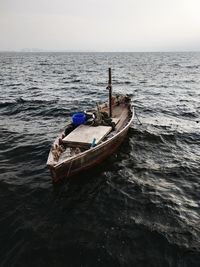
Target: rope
x,y
69,167
137,118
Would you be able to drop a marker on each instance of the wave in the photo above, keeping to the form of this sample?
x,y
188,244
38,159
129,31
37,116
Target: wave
x,y
31,108
189,114
193,66
44,64
34,88
7,104
14,84
24,101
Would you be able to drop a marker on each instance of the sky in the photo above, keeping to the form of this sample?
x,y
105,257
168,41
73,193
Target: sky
x,y
100,25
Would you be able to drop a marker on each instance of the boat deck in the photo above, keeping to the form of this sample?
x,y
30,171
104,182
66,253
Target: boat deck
x,y
84,135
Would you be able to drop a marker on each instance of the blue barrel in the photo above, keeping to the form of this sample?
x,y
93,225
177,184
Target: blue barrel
x,y
78,118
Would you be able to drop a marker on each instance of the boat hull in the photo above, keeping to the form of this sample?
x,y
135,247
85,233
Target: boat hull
x,y
88,160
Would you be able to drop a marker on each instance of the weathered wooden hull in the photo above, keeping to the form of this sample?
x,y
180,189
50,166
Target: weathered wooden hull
x,y
89,158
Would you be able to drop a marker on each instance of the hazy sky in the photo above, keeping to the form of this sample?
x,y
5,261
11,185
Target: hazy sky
x,y
100,25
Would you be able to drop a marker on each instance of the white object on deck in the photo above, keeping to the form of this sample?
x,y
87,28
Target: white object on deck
x,y
116,120
85,134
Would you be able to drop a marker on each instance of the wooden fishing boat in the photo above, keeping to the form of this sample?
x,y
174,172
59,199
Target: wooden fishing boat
x,y
81,147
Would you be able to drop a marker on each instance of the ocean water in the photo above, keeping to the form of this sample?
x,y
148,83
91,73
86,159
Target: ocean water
x,y
141,207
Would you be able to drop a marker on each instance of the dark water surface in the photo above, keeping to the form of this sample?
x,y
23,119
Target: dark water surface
x,y
142,206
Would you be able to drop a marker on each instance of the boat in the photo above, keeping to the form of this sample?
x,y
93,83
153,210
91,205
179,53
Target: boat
x,y
91,137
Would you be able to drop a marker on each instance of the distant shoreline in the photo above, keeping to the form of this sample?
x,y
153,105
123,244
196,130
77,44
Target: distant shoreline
x,y
48,51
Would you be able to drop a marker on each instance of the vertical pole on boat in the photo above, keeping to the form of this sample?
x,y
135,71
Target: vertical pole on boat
x,y
110,92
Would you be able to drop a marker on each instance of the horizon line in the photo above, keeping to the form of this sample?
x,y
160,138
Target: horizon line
x,y
92,51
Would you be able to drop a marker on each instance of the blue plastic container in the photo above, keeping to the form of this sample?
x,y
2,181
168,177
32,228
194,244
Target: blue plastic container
x,y
78,118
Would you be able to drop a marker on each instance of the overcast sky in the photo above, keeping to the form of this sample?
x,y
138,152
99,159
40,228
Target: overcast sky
x,y
100,25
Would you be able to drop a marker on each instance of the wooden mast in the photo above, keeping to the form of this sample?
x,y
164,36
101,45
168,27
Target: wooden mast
x,y
110,91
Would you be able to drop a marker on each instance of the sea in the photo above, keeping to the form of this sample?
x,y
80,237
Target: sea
x,y
141,206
